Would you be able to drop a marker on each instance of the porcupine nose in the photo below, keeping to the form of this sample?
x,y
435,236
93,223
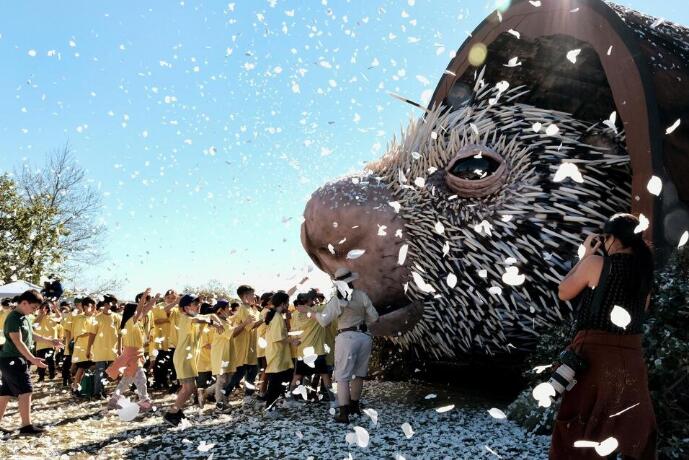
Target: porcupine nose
x,y
352,215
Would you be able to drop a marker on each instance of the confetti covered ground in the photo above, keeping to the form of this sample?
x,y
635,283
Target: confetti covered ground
x,y
79,430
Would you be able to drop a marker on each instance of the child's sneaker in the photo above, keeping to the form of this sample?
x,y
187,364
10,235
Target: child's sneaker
x,y
31,430
173,418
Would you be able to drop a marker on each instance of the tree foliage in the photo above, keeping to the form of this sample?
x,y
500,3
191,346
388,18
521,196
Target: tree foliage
x,y
48,219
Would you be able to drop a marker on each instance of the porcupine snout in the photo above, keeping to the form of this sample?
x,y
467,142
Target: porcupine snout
x,y
352,215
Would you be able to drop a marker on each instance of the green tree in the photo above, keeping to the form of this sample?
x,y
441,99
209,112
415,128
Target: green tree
x,y
29,235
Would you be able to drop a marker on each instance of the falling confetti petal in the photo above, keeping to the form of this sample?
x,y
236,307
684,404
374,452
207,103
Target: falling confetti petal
x,y
683,239
443,409
402,256
572,55
355,253
643,224
451,280
568,170
655,185
512,277
673,127
620,317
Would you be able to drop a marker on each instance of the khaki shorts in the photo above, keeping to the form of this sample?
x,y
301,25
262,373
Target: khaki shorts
x,y
352,352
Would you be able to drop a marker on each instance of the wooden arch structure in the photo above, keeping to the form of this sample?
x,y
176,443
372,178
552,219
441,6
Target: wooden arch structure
x,y
629,62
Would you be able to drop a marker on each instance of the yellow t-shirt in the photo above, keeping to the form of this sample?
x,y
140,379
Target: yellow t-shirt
x,y
3,315
173,327
206,334
47,327
312,333
82,326
186,349
107,330
221,350
162,331
261,334
67,323
278,355
133,335
242,352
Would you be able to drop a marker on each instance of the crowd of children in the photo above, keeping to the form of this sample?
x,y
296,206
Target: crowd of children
x,y
201,348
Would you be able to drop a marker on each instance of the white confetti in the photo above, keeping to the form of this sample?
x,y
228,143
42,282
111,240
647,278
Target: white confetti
x,y
673,127
355,253
205,447
451,280
444,409
439,228
536,127
514,32
497,413
568,170
407,430
512,277
402,256
572,55
543,393
362,436
552,130
421,284
395,205
513,62
372,414
535,3
620,317
683,239
643,224
655,185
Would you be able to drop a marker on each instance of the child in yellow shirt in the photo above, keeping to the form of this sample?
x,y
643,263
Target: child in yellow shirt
x,y
84,333
278,356
46,324
185,353
106,344
130,362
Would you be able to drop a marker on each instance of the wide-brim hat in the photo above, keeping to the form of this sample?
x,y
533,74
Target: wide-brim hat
x,y
345,275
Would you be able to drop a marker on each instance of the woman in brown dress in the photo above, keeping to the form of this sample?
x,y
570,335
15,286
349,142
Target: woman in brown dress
x,y
611,397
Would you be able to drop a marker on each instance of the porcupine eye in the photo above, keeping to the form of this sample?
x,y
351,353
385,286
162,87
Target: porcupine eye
x,y
476,171
474,168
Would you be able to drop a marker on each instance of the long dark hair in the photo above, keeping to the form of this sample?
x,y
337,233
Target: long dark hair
x,y
622,227
279,298
129,311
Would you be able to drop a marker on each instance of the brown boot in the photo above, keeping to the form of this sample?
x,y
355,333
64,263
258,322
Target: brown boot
x,y
342,415
354,407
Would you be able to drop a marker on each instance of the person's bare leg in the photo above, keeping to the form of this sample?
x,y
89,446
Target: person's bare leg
x,y
264,383
25,408
183,396
356,387
295,380
3,405
77,378
343,393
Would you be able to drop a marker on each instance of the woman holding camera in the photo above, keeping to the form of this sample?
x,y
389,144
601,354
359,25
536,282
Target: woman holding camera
x,y
610,397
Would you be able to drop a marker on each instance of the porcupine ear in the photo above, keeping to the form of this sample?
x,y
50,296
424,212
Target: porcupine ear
x,y
590,58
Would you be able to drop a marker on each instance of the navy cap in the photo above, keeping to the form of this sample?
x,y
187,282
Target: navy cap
x,y
187,300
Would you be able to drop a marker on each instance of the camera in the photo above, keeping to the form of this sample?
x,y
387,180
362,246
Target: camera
x,y
562,379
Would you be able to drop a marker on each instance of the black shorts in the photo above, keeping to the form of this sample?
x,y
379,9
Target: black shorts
x,y
16,379
319,367
204,379
84,364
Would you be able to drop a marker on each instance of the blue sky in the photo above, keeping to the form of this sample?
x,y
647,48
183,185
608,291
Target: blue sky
x,y
206,125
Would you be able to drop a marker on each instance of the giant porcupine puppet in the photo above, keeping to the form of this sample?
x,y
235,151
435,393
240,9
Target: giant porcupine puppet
x,y
553,116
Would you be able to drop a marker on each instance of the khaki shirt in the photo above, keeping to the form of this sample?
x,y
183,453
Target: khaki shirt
x,y
349,313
